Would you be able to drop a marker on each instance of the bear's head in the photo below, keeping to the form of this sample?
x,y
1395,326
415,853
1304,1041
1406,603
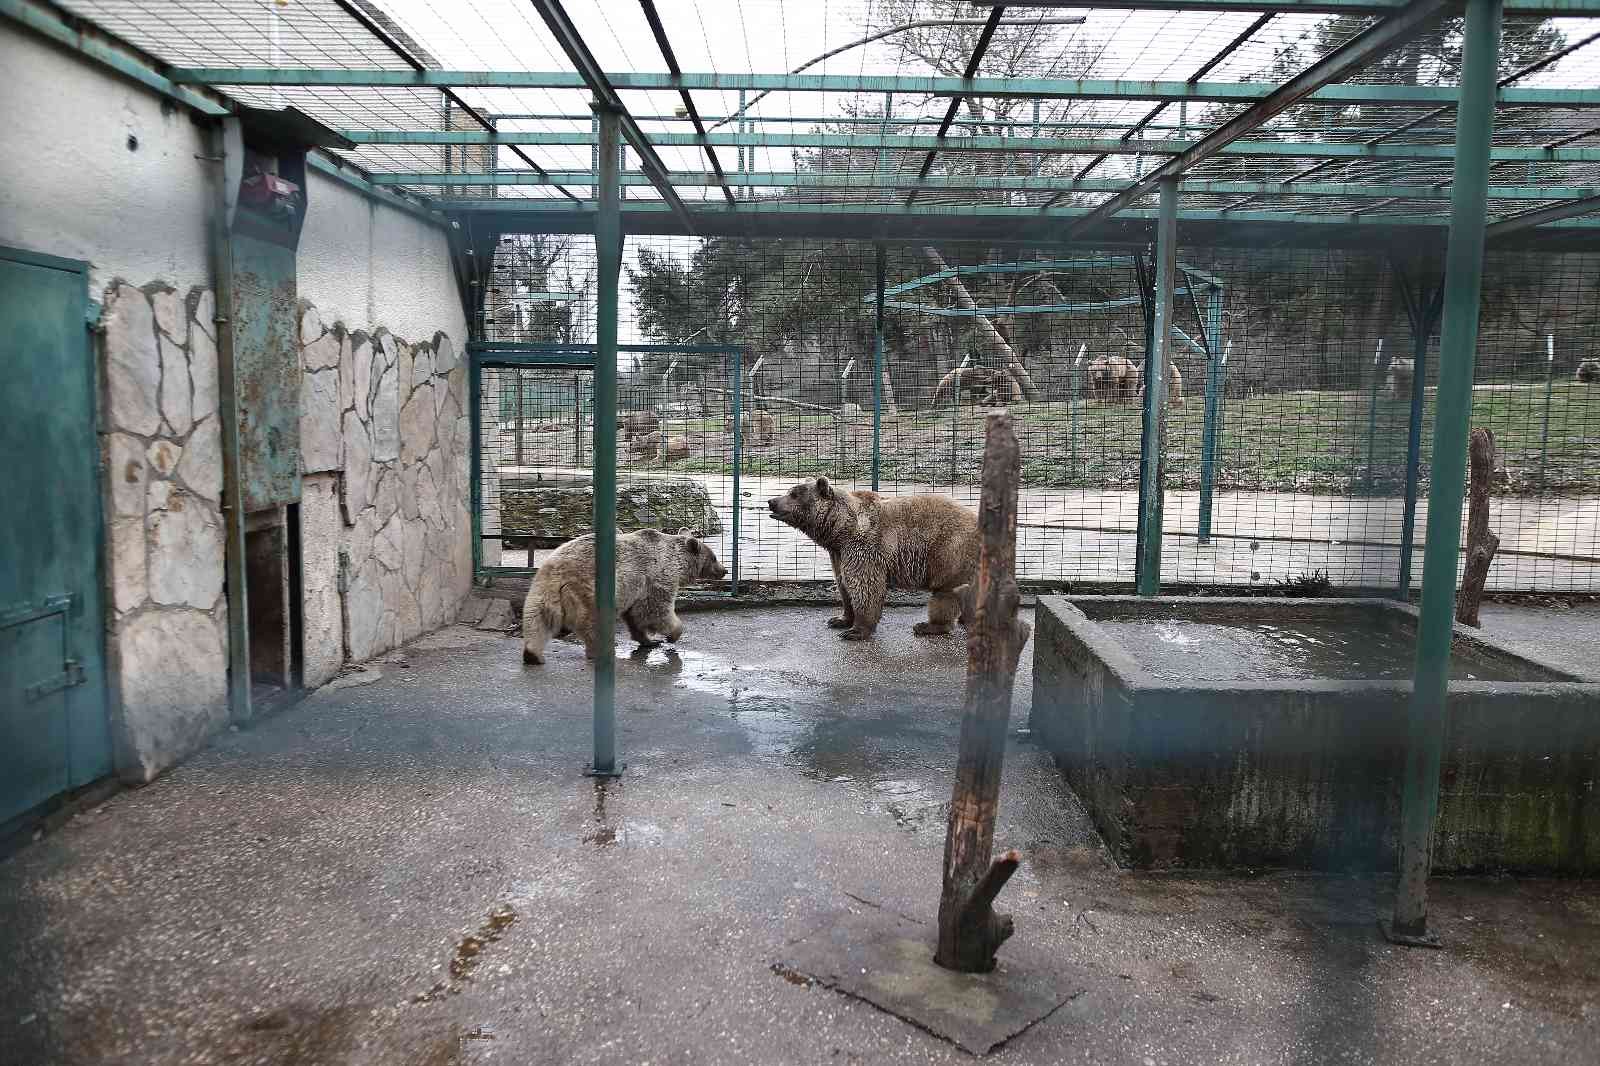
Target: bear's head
x,y
699,561
816,509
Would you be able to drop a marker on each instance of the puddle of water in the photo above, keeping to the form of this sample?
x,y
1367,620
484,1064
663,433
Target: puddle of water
x,y
1182,650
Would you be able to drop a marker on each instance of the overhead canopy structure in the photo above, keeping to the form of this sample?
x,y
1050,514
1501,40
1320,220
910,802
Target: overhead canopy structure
x,y
1301,122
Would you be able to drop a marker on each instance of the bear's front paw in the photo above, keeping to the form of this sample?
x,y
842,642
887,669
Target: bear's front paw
x,y
840,623
533,658
856,634
931,629
674,635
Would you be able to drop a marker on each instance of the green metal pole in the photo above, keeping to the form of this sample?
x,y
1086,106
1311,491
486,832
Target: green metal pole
x,y
877,373
1151,487
1457,352
1208,433
738,462
1428,317
1549,384
475,466
1372,413
608,253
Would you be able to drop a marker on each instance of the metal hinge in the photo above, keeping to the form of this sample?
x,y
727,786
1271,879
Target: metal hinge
x,y
71,674
19,613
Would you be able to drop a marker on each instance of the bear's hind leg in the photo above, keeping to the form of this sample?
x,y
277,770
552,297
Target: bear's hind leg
x,y
943,608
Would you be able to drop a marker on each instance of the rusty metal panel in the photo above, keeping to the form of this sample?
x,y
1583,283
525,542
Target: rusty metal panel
x,y
266,371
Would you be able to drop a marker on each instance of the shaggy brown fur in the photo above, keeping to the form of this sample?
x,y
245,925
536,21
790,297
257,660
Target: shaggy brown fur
x,y
1588,371
878,542
651,566
1113,379
759,427
633,423
1401,374
645,445
1174,386
672,448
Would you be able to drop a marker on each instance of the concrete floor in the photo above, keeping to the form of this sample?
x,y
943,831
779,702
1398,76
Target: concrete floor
x,y
409,869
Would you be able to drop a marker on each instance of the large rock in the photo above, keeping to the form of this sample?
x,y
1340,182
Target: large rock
x,y
320,444
417,425
205,314
174,674
175,399
403,362
566,509
203,373
444,353
133,363
128,575
422,365
386,493
125,470
347,375
185,553
201,465
357,467
386,416
414,539
387,548
321,533
322,353
310,326
364,603
169,314
362,357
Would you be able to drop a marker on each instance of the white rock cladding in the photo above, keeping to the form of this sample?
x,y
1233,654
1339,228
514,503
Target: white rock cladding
x,y
385,530
168,632
402,540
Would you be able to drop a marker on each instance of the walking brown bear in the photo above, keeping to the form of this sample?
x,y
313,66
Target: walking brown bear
x,y
877,543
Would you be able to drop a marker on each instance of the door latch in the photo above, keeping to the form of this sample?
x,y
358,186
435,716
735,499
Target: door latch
x,y
71,674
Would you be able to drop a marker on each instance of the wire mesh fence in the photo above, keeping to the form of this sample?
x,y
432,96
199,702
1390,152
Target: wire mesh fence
x,y
1295,402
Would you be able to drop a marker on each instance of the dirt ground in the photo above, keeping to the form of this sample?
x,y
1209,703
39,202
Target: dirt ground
x,y
409,868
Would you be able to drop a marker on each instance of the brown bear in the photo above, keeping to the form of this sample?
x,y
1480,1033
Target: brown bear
x,y
1588,372
645,445
651,567
1113,379
633,423
1174,386
1402,373
758,427
877,543
672,448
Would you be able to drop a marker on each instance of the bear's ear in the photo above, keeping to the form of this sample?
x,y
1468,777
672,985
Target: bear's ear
x,y
824,489
693,545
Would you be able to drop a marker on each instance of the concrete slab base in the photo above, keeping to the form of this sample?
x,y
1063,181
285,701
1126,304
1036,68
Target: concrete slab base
x,y
886,959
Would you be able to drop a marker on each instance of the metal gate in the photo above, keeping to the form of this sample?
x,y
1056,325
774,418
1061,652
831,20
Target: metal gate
x,y
54,733
679,447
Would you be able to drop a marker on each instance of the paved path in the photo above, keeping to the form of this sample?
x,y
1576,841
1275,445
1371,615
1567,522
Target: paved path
x,y
413,872
1257,537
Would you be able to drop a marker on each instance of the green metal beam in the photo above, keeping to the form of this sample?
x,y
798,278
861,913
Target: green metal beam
x,y
1548,8
1458,342
915,143
1347,59
636,211
1542,216
1152,471
916,85
863,180
608,254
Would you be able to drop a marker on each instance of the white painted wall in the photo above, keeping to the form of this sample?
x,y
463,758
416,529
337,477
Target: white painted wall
x,y
366,264
70,186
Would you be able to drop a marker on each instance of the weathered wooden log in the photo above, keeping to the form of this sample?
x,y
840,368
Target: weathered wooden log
x,y
986,329
1481,543
970,932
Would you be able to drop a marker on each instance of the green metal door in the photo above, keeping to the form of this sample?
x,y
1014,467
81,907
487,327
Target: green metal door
x,y
54,733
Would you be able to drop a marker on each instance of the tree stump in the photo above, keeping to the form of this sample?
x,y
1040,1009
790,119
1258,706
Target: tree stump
x,y
970,931
1481,543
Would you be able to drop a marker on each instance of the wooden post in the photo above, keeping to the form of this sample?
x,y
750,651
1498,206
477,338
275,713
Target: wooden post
x,y
969,930
1481,544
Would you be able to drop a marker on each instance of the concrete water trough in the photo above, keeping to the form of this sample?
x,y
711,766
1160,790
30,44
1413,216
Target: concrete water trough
x,y
1248,732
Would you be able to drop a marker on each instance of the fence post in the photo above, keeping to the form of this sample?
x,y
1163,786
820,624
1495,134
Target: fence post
x,y
1549,384
517,418
1074,384
1152,486
577,419
608,254
1208,432
1428,318
877,371
1372,412
1457,354
475,467
738,463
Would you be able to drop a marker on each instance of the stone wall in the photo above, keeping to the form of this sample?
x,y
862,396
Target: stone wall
x,y
385,531
161,444
385,441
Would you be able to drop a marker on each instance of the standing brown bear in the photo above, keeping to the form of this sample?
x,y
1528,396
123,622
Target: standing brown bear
x,y
877,543
651,567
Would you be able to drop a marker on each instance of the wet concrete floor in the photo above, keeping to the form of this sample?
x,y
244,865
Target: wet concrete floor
x,y
411,870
